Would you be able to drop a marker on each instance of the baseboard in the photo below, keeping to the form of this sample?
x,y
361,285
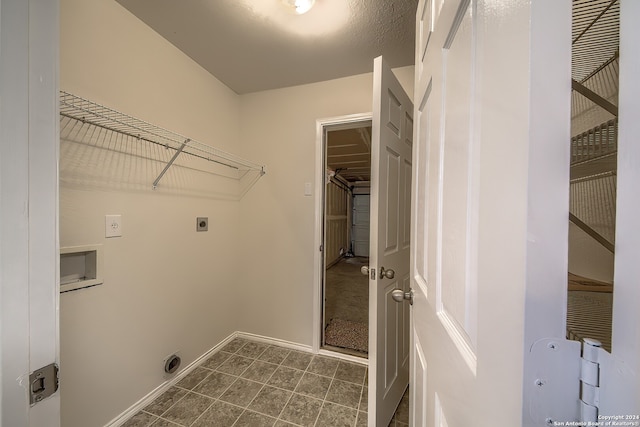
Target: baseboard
x,y
151,396
302,347
344,356
275,341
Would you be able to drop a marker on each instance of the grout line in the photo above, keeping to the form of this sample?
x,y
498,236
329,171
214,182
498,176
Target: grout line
x,y
204,412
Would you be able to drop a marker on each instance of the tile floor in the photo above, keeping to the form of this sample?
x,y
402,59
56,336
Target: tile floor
x,y
254,384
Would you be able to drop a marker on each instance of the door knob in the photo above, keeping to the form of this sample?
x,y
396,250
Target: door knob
x,y
388,273
399,295
364,270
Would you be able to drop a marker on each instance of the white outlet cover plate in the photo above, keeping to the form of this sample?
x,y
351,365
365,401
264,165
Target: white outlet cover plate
x,y
113,226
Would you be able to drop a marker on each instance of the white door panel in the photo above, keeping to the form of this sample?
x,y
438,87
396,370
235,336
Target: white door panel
x,y
475,177
391,146
445,211
29,337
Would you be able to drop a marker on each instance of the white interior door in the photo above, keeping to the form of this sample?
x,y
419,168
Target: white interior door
x,y
489,259
391,143
443,322
29,208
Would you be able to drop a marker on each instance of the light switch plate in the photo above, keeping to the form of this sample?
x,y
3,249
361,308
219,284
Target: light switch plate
x,y
113,226
307,188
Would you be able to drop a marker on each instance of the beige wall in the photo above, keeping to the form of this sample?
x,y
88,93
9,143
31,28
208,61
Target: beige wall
x,y
279,128
166,288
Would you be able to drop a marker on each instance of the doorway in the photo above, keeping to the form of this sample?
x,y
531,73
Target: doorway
x,y
346,166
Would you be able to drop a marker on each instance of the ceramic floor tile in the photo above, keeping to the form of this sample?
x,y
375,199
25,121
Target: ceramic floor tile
x,y
364,400
220,414
313,385
298,360
351,372
141,419
253,419
344,393
299,392
235,345
241,392
323,366
235,365
165,401
164,423
301,410
215,384
270,401
260,371
287,378
194,377
274,354
332,415
216,360
362,419
252,349
187,410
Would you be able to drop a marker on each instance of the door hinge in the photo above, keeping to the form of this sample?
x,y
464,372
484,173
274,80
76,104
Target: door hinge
x,y
321,248
590,380
43,383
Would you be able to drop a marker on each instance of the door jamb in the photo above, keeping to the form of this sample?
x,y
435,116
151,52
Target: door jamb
x,y
346,121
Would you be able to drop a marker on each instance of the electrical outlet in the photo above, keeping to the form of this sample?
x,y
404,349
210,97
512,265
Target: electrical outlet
x,y
202,223
113,226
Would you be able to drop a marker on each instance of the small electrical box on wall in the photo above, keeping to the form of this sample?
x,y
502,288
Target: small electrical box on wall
x,y
113,226
80,267
202,223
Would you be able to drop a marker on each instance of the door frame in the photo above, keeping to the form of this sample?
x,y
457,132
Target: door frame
x,y
29,252
338,122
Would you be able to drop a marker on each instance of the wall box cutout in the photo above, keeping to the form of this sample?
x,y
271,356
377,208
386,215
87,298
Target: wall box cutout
x,y
80,267
202,223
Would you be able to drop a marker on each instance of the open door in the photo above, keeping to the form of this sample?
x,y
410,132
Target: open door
x,y
490,212
490,222
29,337
391,144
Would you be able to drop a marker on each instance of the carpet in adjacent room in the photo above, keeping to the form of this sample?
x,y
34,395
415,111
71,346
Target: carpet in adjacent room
x,y
347,334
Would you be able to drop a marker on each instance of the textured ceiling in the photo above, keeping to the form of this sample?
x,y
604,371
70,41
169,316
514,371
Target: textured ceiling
x,y
254,45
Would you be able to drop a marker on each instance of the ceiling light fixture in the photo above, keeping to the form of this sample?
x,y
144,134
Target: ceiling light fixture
x,y
299,6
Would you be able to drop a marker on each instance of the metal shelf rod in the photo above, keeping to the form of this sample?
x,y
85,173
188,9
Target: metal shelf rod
x,y
168,165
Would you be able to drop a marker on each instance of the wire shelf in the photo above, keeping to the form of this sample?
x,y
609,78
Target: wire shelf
x,y
75,107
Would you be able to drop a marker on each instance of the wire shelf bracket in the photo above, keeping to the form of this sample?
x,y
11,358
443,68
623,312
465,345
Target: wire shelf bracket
x,y
89,112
